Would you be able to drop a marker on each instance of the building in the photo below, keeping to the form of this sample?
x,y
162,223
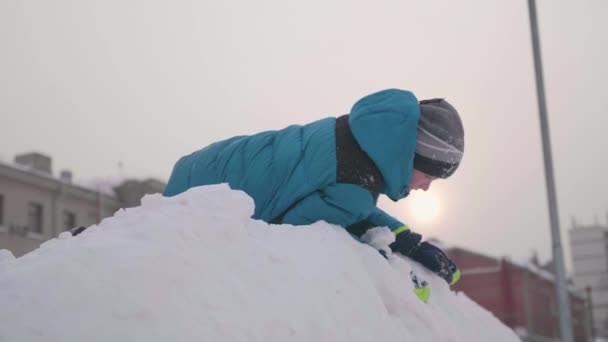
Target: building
x,y
521,295
589,246
35,206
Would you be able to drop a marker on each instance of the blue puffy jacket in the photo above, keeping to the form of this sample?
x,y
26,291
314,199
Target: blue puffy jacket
x,y
292,173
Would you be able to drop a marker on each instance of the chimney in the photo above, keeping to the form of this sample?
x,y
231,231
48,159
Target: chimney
x,y
66,176
534,258
35,161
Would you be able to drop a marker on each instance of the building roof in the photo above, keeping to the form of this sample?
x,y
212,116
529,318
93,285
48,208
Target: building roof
x,y
26,171
522,265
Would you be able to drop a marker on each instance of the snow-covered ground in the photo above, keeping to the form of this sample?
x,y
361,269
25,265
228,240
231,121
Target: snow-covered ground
x,y
196,267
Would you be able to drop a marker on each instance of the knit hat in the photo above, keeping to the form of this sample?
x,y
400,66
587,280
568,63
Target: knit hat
x,y
440,139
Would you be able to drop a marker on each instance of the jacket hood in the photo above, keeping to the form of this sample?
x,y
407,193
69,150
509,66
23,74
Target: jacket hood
x,y
385,125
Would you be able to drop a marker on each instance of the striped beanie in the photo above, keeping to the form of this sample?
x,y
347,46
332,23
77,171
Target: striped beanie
x,y
440,139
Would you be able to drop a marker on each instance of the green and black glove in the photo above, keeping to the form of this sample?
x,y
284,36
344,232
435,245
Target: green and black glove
x,y
408,243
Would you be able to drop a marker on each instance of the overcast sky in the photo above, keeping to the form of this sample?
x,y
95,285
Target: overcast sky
x,y
95,83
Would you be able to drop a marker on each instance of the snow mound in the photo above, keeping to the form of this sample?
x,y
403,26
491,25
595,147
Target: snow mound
x,y
196,267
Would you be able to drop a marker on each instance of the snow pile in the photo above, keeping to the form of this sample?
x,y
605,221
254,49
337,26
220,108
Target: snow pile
x,y
195,267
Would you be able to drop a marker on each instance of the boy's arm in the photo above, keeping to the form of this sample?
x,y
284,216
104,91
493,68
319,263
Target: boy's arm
x,y
379,218
340,204
347,204
408,243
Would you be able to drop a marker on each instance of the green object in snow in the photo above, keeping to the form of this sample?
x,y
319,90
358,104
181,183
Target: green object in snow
x,y
423,293
421,287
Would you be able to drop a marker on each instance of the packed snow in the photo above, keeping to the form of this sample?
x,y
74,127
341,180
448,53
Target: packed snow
x,y
196,267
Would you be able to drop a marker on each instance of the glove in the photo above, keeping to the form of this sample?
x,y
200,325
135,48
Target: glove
x,y
405,241
408,243
435,260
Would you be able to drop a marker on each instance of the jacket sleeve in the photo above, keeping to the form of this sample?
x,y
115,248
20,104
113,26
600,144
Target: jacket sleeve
x,y
340,204
379,218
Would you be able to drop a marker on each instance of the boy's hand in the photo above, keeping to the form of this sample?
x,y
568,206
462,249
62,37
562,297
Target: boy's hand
x,y
435,260
408,243
405,241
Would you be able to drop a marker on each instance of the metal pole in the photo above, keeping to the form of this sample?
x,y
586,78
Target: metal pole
x,y
565,319
526,297
590,314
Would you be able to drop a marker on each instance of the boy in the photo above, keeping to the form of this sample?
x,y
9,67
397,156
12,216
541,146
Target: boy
x,y
334,169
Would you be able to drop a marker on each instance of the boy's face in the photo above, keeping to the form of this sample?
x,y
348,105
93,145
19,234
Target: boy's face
x,y
420,181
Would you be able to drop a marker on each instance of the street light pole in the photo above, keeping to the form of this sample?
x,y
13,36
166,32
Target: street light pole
x,y
590,313
558,257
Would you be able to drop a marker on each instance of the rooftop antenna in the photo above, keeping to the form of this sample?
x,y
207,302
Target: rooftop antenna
x,y
121,169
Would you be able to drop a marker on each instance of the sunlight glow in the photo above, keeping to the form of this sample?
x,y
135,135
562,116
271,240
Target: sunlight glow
x,y
424,205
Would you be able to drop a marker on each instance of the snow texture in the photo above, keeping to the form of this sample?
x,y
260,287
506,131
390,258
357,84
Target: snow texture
x,y
196,267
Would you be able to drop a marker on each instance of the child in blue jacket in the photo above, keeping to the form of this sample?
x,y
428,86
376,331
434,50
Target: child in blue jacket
x,y
334,169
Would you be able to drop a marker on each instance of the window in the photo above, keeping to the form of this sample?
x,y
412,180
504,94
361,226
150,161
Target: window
x,y
69,220
1,210
34,216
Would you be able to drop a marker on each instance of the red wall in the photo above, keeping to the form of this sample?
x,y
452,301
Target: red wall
x,y
498,286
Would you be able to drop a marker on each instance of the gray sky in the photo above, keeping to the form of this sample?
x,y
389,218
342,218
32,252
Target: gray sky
x,y
93,83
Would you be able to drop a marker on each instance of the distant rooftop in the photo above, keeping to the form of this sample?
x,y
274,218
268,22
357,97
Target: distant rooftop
x,y
596,223
40,165
531,265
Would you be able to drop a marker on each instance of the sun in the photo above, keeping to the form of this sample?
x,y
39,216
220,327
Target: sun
x,y
424,205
